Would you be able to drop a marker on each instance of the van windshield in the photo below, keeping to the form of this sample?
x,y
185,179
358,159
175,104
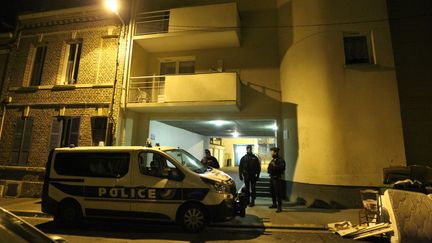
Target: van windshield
x,y
188,160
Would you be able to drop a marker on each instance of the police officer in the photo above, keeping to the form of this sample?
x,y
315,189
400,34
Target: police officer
x,y
250,169
210,160
276,169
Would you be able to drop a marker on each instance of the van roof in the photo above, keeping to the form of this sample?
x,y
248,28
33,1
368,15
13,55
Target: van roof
x,y
107,148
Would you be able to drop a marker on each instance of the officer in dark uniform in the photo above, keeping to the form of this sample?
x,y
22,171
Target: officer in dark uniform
x,y
276,169
250,169
210,160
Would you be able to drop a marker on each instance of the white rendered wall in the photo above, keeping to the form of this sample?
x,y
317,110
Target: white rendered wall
x,y
342,124
167,135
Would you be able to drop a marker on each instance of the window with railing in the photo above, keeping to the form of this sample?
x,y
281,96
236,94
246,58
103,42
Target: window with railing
x,y
152,23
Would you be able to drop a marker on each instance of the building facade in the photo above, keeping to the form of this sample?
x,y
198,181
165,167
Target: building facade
x,y
59,89
323,70
314,77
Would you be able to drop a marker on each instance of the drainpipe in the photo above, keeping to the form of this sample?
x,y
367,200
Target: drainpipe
x,y
110,122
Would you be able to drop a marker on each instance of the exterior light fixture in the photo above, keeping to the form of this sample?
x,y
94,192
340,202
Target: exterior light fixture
x,y
275,127
112,5
235,134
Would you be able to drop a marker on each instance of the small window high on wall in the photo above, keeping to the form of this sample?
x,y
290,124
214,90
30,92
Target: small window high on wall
x,y
358,49
73,54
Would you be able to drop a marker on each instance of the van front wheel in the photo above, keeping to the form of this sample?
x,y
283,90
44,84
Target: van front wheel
x,y
193,218
69,213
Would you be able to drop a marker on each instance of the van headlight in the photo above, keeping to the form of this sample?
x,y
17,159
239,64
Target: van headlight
x,y
219,187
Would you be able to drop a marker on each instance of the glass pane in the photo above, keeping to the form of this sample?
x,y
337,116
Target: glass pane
x,y
356,50
167,68
38,66
108,165
187,67
73,63
152,164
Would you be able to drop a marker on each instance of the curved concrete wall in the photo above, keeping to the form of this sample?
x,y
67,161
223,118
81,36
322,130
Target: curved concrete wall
x,y
341,122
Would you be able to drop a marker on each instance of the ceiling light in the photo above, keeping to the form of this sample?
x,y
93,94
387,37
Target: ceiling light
x,y
219,123
235,134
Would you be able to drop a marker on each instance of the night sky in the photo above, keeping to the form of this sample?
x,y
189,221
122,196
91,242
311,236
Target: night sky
x,y
10,8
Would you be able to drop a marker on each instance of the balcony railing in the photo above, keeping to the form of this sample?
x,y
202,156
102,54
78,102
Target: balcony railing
x,y
152,22
216,88
188,28
147,89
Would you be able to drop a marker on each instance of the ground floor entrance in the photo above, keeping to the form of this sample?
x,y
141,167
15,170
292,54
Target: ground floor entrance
x,y
226,139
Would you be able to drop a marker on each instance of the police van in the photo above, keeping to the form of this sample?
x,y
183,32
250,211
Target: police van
x,y
129,182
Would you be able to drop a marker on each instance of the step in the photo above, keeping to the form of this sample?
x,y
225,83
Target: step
x,y
263,194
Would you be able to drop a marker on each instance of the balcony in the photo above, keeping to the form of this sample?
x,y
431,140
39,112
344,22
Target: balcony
x,y
190,28
209,92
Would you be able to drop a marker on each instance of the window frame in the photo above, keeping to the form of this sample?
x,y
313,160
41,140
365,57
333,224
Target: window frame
x,y
77,59
40,65
22,145
63,130
180,175
87,157
369,43
95,129
177,61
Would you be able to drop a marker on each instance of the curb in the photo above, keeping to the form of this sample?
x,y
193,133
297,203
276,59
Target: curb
x,y
34,214
270,226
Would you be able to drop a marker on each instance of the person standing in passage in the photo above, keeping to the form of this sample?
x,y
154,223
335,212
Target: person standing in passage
x,y
210,160
250,169
276,169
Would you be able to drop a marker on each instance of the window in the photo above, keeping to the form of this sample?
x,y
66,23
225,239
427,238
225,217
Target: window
x,y
73,55
38,64
108,165
187,160
21,141
177,67
64,132
99,126
155,164
357,49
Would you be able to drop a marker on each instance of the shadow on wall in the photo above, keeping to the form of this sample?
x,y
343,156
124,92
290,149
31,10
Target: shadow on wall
x,y
290,142
285,32
259,101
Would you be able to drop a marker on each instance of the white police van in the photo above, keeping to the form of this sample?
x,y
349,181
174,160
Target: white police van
x,y
160,183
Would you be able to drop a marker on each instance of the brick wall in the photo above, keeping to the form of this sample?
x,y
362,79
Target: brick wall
x,y
97,66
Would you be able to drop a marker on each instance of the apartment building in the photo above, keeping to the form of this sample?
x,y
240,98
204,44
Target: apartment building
x,y
317,77
314,77
58,89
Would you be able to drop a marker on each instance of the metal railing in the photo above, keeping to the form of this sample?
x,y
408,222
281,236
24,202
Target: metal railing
x,y
147,89
152,22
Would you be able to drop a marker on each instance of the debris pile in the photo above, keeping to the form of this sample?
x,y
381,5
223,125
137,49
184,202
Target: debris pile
x,y
346,229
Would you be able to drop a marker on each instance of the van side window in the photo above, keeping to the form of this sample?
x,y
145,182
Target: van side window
x,y
155,164
108,165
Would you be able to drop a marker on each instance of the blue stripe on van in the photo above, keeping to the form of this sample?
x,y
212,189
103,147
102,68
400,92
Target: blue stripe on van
x,y
163,194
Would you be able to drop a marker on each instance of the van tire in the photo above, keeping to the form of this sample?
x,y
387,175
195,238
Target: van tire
x,y
69,213
193,217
